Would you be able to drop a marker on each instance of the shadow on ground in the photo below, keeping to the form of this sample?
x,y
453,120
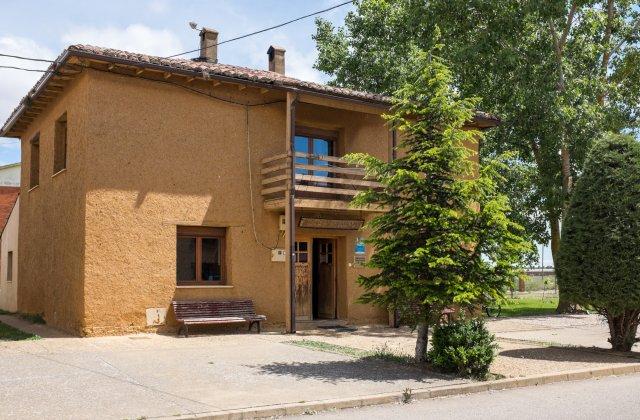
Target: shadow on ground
x,y
572,354
351,370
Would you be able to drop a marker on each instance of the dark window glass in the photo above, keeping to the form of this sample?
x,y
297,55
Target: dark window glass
x,y
186,259
60,145
211,259
34,163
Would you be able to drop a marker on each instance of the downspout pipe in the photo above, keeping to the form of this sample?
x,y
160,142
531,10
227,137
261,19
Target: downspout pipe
x,y
292,215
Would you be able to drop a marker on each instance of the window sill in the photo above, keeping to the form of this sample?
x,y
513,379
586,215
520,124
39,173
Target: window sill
x,y
204,286
61,171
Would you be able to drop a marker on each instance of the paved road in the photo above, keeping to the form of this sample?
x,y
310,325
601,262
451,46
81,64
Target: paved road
x,y
606,398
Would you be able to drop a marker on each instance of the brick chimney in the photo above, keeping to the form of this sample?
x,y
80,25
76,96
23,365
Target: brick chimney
x,y
208,45
276,59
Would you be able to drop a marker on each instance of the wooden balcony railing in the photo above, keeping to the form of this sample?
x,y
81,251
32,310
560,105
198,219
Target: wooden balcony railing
x,y
327,181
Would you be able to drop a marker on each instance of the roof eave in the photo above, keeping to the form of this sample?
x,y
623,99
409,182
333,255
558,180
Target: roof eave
x,y
33,93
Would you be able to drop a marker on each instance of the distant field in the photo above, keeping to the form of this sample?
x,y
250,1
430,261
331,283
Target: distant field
x,y
528,306
538,283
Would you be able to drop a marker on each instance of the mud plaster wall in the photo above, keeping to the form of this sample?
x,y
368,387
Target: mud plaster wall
x,y
161,157
51,233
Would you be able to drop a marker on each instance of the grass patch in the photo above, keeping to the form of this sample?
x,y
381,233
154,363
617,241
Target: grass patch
x,y
8,333
380,353
529,307
331,348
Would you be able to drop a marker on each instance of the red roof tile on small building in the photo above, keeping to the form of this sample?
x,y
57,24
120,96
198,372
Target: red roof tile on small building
x,y
8,197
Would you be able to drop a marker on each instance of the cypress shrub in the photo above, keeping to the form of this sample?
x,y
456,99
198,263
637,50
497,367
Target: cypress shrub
x,y
599,258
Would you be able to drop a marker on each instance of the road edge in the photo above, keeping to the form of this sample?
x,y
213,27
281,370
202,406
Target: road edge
x,y
416,394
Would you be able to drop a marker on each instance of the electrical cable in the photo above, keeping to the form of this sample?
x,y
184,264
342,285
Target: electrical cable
x,y
263,30
25,69
253,210
19,57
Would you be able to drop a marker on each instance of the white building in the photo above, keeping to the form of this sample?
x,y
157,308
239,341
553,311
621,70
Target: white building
x,y
10,175
9,206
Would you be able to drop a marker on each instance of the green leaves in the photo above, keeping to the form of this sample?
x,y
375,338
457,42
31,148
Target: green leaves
x,y
446,238
599,254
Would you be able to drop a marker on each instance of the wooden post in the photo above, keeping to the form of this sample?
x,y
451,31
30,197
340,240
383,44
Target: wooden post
x,y
290,215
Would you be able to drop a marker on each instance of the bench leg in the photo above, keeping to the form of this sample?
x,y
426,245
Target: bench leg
x,y
180,329
186,331
258,326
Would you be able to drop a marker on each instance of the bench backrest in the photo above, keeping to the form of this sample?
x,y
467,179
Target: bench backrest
x,y
213,308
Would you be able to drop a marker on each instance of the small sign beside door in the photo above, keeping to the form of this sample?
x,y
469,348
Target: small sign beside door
x,y
359,252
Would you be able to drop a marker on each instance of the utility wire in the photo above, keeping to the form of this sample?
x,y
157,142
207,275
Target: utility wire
x,y
19,57
265,29
24,69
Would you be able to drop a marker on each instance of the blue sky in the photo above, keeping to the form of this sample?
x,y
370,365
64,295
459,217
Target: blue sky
x,y
158,27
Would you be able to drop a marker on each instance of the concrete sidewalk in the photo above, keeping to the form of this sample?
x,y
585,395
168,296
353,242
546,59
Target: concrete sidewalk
x,y
148,375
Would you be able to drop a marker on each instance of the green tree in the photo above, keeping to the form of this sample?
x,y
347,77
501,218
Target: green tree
x,y
445,239
559,73
599,254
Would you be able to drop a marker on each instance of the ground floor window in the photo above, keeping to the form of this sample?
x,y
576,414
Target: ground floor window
x,y
200,255
10,266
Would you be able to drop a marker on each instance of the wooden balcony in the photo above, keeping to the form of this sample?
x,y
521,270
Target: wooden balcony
x,y
321,182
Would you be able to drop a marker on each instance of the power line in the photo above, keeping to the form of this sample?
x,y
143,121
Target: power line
x,y
19,57
265,29
25,69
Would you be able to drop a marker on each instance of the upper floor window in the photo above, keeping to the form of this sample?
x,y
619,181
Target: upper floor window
x,y
34,162
60,144
200,255
314,142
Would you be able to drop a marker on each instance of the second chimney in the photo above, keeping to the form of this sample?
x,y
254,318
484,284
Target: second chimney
x,y
208,45
276,59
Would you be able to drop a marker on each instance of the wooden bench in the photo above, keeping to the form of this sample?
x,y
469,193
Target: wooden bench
x,y
215,312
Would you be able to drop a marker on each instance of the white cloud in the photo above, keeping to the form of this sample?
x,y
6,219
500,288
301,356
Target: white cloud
x,y
298,63
14,84
134,38
158,6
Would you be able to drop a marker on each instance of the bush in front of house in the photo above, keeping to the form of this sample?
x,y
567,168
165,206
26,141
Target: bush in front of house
x,y
599,259
464,347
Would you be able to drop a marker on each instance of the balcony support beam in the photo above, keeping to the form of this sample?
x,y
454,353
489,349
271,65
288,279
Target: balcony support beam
x,y
290,214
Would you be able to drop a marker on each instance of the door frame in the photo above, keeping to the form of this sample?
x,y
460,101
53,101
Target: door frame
x,y
315,274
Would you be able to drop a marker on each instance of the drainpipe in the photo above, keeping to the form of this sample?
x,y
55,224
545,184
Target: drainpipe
x,y
292,212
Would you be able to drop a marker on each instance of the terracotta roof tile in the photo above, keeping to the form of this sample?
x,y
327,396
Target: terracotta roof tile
x,y
238,72
222,70
8,197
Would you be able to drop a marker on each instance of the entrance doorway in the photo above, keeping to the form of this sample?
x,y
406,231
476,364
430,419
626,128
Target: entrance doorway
x,y
324,290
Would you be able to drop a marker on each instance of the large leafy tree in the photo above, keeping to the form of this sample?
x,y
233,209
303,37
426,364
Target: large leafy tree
x,y
600,257
445,239
559,73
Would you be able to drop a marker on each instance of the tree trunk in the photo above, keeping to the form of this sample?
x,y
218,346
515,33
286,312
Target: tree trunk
x,y
554,223
422,341
622,329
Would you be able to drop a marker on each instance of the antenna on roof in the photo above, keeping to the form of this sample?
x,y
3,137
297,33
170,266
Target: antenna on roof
x,y
193,25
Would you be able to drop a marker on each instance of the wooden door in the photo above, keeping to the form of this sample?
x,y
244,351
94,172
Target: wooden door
x,y
303,281
325,272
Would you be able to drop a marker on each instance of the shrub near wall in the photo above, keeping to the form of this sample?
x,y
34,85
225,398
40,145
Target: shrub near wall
x,y
464,347
599,259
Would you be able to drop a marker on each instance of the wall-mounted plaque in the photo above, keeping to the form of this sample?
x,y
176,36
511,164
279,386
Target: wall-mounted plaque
x,y
342,224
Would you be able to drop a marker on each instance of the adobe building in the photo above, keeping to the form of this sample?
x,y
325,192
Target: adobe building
x,y
147,180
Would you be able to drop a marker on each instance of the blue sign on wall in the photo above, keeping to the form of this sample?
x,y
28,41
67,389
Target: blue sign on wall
x,y
360,246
